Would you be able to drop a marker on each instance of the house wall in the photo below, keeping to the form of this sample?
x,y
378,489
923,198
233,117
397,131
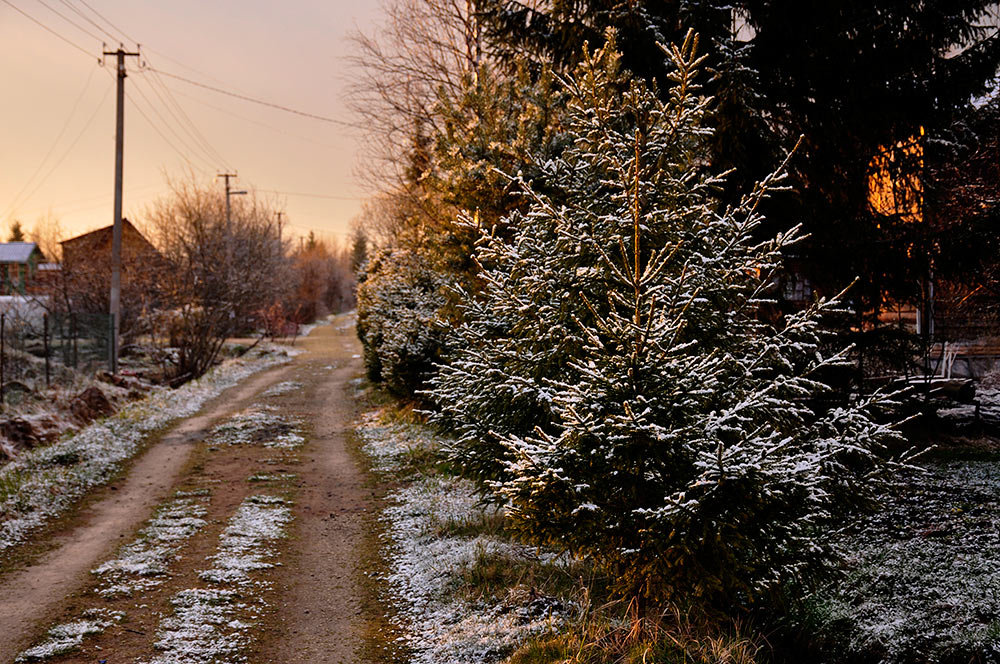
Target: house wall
x,y
17,278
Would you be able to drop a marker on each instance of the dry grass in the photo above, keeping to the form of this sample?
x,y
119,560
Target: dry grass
x,y
613,635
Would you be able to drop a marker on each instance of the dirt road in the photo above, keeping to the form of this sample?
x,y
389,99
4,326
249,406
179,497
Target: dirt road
x,y
300,599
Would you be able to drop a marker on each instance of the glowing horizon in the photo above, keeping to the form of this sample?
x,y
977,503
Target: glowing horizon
x,y
59,117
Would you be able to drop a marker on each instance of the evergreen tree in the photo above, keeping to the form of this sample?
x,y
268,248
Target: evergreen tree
x,y
16,232
854,78
495,128
679,440
498,127
359,249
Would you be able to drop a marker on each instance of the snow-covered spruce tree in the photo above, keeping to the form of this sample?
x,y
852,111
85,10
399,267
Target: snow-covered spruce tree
x,y
680,441
399,296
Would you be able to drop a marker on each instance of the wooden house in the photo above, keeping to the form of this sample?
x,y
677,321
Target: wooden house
x,y
94,248
18,266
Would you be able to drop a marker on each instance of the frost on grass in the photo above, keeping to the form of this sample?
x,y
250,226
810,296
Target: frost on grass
x,y
213,624
924,583
258,425
45,482
67,637
426,567
387,442
284,387
143,563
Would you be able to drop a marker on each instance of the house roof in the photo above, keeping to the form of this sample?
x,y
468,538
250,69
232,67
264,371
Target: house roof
x,y
102,235
17,252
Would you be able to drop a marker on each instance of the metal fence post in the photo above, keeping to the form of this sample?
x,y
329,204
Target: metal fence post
x,y
45,342
73,336
3,353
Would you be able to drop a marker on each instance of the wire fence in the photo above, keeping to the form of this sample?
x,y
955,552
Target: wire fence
x,y
40,349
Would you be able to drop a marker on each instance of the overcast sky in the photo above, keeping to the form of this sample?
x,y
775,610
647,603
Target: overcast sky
x,y
57,110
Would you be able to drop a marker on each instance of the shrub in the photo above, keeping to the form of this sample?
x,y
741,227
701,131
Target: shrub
x,y
399,296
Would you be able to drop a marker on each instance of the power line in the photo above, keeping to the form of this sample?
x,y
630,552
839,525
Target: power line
x,y
88,203
100,16
254,100
46,28
52,147
311,195
76,10
183,117
307,139
166,140
184,66
69,20
198,144
65,154
166,125
156,128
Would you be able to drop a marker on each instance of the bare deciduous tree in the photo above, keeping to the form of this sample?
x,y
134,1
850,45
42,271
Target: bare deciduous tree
x,y
324,280
222,273
422,51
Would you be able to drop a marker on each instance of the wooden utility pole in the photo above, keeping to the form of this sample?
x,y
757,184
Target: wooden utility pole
x,y
116,232
230,192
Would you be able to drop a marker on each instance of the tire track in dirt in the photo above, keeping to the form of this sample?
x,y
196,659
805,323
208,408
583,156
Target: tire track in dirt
x,y
319,604
30,596
313,602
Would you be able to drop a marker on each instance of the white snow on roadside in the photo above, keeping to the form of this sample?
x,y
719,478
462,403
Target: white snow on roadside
x,y
67,637
387,442
213,624
306,330
426,566
440,626
44,482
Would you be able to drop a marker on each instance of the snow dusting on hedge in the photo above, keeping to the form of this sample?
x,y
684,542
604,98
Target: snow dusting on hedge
x,y
43,483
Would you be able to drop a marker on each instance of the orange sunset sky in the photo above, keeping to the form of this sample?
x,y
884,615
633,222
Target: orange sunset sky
x,y
57,110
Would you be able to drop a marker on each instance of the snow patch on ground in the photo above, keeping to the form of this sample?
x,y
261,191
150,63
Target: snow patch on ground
x,y
67,637
272,477
140,565
344,321
243,548
283,387
43,483
388,442
306,330
143,563
924,583
426,568
258,425
213,624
